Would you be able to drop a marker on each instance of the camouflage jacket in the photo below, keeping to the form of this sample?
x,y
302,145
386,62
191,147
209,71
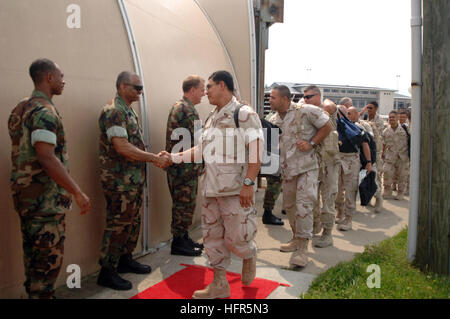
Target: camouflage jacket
x,y
116,172
36,120
182,115
396,144
293,161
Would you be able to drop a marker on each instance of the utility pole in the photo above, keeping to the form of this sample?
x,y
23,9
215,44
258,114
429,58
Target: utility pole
x,y
434,194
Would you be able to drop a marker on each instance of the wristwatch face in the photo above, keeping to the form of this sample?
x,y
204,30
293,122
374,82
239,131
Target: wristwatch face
x,y
248,182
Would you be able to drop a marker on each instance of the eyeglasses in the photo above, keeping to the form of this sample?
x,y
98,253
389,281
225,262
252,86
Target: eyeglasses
x,y
136,87
307,97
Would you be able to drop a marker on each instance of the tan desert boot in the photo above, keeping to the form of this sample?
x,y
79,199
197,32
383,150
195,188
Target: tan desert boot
x,y
387,194
378,204
325,240
346,224
219,288
289,247
317,226
339,216
300,256
248,270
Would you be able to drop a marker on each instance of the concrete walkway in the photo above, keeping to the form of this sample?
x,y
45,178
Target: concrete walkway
x,y
272,264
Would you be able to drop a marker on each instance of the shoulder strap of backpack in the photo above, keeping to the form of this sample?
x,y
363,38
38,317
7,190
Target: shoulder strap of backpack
x,y
404,127
236,115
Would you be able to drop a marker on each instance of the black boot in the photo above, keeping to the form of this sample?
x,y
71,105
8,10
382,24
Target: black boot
x,y
182,247
127,264
269,219
191,242
109,278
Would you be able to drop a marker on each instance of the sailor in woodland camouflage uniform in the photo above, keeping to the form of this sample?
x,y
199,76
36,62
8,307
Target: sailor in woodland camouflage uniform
x,y
40,183
273,190
122,170
182,178
303,128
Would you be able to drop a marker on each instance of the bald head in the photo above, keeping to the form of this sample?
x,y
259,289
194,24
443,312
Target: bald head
x,y
353,114
329,106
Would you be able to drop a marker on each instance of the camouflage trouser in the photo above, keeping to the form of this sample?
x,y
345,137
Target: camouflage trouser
x,y
123,222
379,167
328,189
299,198
395,180
348,183
43,233
227,228
273,190
183,189
43,249
399,167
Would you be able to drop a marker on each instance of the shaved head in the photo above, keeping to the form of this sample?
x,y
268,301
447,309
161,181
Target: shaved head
x,y
353,114
329,106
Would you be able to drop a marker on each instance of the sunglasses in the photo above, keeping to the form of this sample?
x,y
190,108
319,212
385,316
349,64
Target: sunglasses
x,y
309,96
136,87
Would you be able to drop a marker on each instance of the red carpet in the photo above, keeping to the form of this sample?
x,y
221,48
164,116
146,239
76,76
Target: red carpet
x,y
183,283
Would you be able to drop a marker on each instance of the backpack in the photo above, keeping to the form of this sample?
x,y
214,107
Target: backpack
x,y
409,139
274,155
348,132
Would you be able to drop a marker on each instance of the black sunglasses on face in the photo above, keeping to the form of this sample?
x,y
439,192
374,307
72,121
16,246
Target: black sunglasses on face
x,y
309,96
136,87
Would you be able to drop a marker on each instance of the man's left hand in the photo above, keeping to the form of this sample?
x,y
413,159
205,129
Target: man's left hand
x,y
304,146
246,196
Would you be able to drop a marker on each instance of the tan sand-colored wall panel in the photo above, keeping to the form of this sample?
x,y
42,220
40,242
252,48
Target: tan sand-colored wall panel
x,y
91,57
231,20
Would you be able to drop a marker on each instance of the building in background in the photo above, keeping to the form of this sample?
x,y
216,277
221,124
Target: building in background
x,y
387,99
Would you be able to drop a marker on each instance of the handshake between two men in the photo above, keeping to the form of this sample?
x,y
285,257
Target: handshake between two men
x,y
165,159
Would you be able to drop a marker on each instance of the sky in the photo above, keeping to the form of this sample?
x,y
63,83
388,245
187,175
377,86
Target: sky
x,y
342,42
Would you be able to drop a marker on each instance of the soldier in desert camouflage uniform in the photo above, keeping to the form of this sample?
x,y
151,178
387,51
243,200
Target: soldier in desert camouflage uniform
x,y
40,183
395,155
303,128
324,215
122,171
228,213
183,178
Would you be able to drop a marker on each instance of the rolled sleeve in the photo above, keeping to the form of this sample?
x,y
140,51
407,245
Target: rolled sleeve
x,y
43,136
116,131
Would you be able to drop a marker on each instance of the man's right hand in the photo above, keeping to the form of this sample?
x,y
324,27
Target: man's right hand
x,y
83,202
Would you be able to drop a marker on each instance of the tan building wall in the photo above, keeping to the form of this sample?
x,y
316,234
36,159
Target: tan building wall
x,y
174,39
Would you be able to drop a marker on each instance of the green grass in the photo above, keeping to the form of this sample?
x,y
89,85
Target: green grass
x,y
399,279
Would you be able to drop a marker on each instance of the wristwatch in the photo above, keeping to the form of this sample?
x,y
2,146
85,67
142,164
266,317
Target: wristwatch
x,y
248,182
313,144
